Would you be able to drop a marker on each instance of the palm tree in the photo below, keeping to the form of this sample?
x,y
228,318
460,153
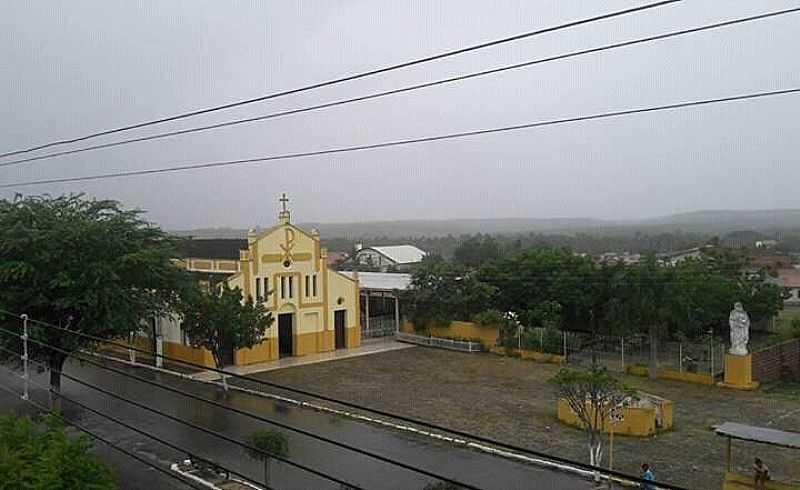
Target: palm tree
x,y
269,443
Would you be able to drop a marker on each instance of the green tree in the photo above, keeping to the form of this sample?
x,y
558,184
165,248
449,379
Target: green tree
x,y
85,265
476,251
40,456
441,292
220,321
269,443
591,395
528,280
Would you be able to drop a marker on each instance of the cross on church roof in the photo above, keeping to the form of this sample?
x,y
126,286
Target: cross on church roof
x,y
284,200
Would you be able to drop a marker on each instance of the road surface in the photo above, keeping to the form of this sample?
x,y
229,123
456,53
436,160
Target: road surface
x,y
479,469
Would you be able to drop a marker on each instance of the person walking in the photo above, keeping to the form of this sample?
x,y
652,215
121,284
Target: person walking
x,y
647,475
761,474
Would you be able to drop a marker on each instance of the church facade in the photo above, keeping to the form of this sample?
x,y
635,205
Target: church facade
x,y
315,309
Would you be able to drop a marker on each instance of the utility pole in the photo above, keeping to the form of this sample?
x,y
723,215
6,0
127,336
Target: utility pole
x,y
25,373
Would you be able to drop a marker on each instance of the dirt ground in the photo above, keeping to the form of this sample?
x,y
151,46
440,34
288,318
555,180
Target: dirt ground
x,y
510,400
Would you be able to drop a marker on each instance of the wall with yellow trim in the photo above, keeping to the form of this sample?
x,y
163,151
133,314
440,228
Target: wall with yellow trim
x,y
530,355
189,353
343,293
672,374
267,350
487,334
637,421
735,481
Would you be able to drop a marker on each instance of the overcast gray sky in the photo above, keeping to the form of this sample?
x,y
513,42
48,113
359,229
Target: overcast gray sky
x,y
69,68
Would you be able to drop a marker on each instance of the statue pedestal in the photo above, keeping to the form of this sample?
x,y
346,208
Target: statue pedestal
x,y
739,373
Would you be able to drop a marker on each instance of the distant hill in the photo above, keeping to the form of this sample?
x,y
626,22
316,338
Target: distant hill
x,y
711,222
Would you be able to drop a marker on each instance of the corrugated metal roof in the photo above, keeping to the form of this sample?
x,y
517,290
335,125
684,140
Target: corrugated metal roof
x,y
383,281
760,434
211,248
400,254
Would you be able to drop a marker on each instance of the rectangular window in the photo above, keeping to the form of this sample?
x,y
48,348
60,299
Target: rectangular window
x,y
291,286
283,287
308,288
266,288
314,285
258,289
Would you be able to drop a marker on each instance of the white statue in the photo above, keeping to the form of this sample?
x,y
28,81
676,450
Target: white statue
x,y
740,330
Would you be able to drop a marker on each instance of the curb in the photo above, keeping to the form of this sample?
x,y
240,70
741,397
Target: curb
x,y
385,423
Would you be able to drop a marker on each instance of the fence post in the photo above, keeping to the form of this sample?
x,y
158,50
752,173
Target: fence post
x,y
680,357
711,363
622,350
25,373
541,339
565,344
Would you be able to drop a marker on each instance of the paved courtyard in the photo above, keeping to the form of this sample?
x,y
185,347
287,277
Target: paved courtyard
x,y
511,400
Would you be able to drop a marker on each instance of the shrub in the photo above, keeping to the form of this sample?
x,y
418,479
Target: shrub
x,y
794,328
489,318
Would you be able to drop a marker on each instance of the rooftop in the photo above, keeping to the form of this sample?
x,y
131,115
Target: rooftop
x,y
382,281
212,248
789,278
759,434
400,254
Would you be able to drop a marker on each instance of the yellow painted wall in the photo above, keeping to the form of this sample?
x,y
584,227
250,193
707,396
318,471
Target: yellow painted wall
x,y
267,350
313,328
639,422
487,334
188,353
734,481
530,355
673,374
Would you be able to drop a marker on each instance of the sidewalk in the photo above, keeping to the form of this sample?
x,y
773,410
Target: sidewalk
x,y
372,346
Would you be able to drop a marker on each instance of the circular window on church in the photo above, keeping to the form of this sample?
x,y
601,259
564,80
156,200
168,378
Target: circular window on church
x,y
287,263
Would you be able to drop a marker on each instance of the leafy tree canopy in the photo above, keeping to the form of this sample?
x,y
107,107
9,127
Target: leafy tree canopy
x,y
86,265
41,456
218,320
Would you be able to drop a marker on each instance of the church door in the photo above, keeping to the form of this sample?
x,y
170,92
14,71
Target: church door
x,y
339,325
285,334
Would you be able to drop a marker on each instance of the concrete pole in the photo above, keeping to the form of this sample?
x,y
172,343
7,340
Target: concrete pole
x,y
366,309
728,455
131,352
397,313
25,375
159,350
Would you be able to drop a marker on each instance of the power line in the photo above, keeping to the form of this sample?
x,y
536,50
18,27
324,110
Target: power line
x,y
403,89
192,425
410,420
346,78
106,441
142,432
253,416
428,139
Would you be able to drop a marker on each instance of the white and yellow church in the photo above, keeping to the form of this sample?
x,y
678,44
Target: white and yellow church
x,y
316,309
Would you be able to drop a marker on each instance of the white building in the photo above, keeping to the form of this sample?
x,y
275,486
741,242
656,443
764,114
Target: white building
x,y
399,257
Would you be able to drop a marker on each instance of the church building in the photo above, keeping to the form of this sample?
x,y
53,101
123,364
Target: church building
x,y
315,309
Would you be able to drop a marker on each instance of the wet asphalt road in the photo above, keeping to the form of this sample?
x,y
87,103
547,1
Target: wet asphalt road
x,y
479,469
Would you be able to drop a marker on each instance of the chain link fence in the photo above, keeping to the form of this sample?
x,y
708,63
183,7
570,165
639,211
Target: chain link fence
x,y
700,356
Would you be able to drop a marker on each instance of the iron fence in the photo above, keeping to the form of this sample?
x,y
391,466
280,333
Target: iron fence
x,y
460,345
379,326
617,353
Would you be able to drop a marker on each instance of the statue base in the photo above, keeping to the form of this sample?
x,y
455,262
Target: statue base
x,y
738,373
